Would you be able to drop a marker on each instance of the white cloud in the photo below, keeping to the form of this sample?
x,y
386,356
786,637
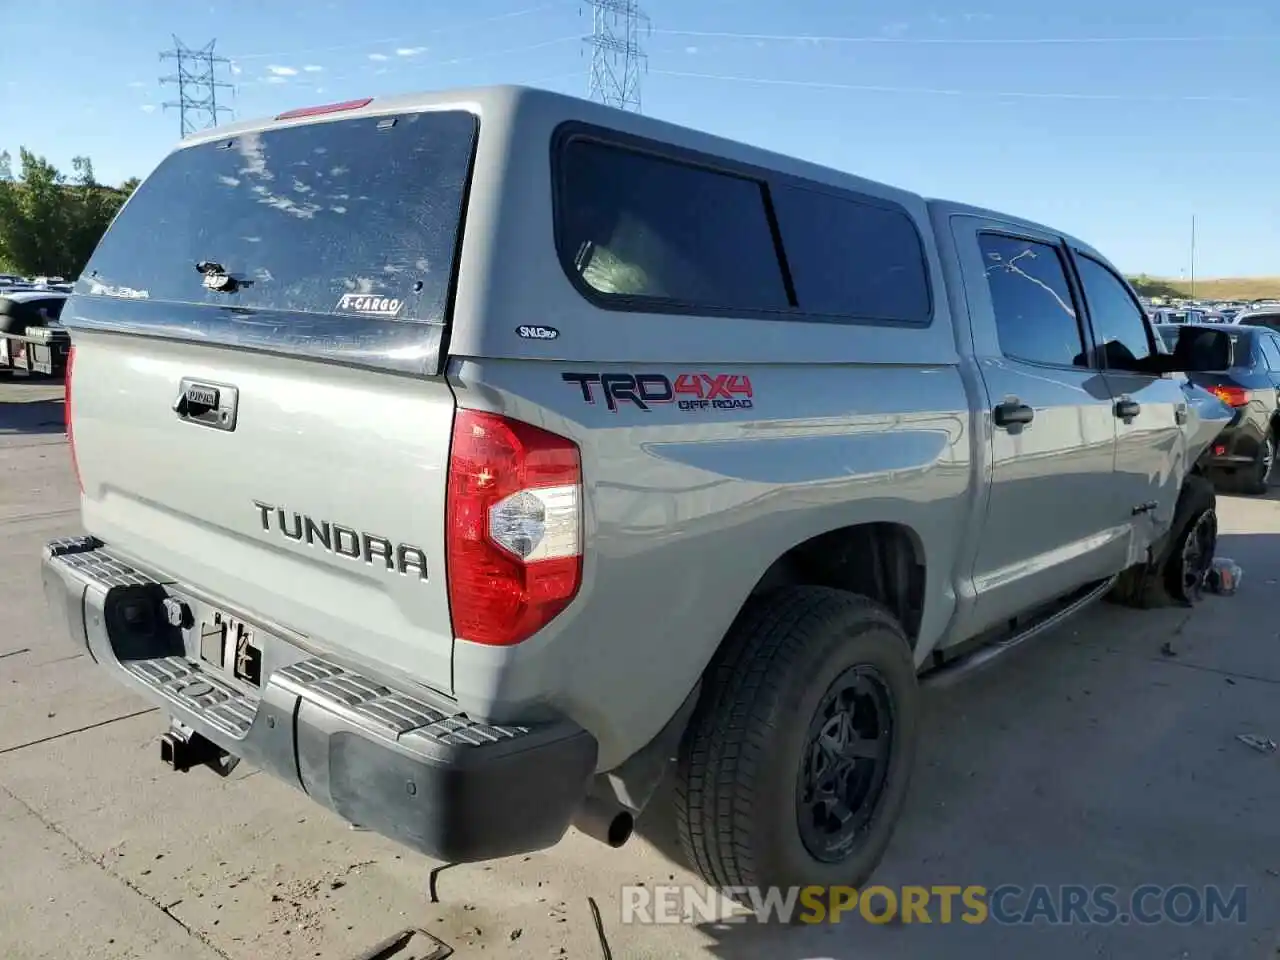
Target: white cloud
x,y
236,69
319,89
148,108
137,84
896,29
690,50
277,80
410,51
378,56
380,71
282,71
313,68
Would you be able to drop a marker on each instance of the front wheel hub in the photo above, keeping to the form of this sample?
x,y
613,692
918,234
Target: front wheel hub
x,y
1197,554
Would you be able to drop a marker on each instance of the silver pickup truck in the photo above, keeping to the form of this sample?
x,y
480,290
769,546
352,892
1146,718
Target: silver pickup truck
x,y
473,460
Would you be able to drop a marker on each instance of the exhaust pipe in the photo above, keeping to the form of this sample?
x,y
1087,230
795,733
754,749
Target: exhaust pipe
x,y
182,752
605,821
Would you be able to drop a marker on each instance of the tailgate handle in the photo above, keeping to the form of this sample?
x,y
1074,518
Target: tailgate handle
x,y
207,404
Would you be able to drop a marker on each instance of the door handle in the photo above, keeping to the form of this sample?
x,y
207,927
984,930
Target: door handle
x,y
1180,414
1126,409
1013,412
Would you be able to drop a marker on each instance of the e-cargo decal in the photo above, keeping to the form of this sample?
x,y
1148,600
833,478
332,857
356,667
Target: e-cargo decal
x,y
688,391
369,304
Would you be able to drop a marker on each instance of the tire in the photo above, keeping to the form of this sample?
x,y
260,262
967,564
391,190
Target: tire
x,y
739,770
1139,588
1196,519
1262,470
1168,581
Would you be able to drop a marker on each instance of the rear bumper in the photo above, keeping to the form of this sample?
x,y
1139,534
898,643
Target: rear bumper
x,y
407,765
1236,446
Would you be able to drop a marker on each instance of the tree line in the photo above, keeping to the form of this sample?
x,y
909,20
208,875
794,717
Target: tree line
x,y
50,222
1155,287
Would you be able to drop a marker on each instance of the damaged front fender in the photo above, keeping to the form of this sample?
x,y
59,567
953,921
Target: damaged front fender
x,y
1207,416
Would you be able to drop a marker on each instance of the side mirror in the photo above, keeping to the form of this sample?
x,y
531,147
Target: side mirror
x,y
1198,350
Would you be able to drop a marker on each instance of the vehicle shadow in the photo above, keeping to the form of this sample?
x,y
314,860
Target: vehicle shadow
x,y
1103,753
31,417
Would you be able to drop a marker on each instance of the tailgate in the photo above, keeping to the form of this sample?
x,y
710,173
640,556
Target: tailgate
x,y
322,510
257,409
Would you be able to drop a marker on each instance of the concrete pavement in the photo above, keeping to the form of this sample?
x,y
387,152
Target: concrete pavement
x,y
1088,757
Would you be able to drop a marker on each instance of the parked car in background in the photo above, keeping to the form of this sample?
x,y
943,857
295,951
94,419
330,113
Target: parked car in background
x,y
1263,316
1177,315
32,337
1246,449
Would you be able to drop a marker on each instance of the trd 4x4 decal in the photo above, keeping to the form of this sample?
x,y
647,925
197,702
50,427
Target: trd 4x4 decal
x,y
689,391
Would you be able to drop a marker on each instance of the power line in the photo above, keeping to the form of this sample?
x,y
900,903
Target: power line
x,y
957,41
617,58
198,85
939,91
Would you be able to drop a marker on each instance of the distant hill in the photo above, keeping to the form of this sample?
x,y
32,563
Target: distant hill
x,y
1215,288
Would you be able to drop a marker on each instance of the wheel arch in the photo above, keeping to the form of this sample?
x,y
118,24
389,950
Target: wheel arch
x,y
882,560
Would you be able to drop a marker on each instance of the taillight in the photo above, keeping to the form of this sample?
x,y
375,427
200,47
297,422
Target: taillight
x,y
1231,396
324,109
66,414
513,527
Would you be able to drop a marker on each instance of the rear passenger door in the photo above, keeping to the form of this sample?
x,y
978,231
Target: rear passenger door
x,y
1049,525
1149,410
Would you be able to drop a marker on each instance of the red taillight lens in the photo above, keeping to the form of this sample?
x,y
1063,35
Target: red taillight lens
x,y
1231,396
513,527
66,414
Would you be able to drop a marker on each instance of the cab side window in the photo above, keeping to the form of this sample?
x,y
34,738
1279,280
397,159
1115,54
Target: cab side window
x,y
1119,325
649,228
1034,311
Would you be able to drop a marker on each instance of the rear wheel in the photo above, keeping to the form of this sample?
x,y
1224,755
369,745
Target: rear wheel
x,y
795,765
1262,469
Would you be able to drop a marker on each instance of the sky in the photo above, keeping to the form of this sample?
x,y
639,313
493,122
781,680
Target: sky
x,y
1114,120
